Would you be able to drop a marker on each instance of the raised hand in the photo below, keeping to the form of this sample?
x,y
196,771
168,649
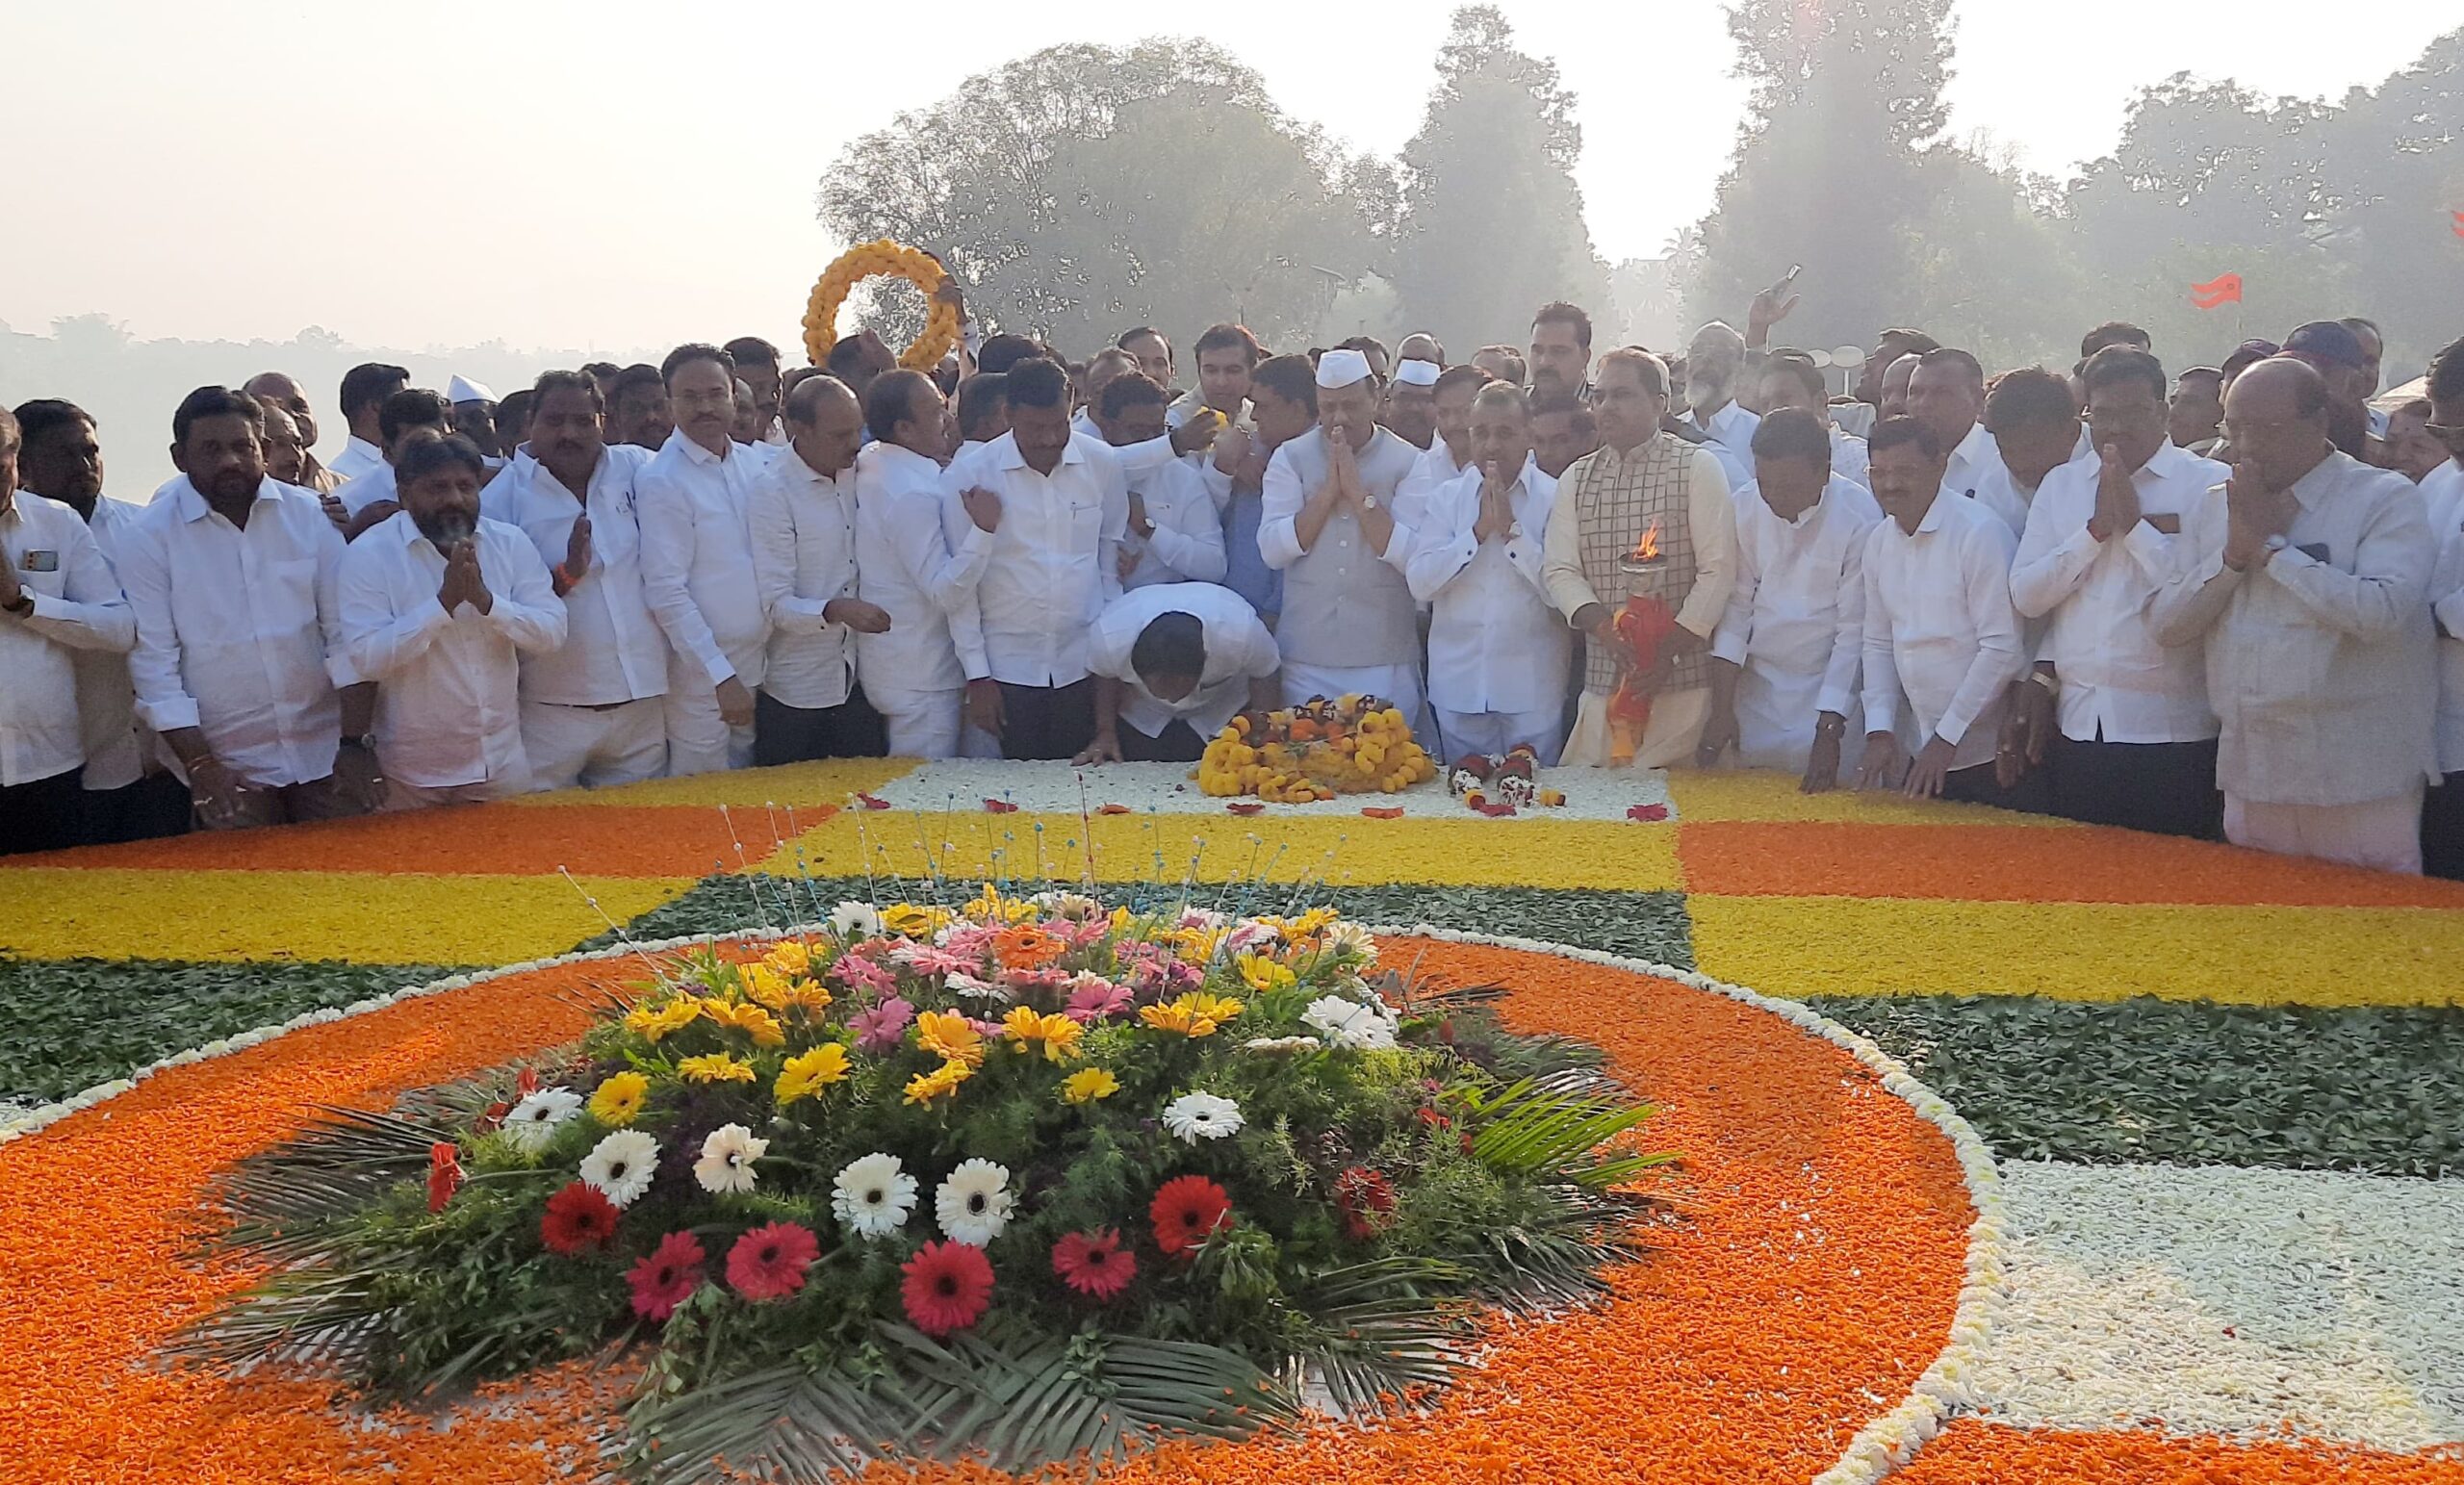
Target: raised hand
x,y
577,548
983,507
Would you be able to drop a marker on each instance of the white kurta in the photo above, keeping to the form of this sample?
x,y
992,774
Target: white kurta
x,y
1239,650
1795,621
1940,628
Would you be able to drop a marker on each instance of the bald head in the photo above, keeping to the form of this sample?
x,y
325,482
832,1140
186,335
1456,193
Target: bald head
x,y
824,424
1894,390
2275,420
277,389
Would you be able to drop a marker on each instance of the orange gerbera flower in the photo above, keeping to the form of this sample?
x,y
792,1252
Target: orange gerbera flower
x,y
1025,946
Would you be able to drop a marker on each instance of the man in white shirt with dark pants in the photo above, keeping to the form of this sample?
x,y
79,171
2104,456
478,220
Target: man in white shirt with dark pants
x,y
695,502
57,596
2134,743
1173,664
592,710
2306,578
905,568
804,557
1175,533
438,605
1497,650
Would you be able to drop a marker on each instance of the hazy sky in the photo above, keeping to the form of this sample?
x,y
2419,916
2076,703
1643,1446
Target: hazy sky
x,y
613,173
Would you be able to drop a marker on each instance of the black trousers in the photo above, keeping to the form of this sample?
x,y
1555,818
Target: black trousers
x,y
1177,743
795,735
1047,722
1977,785
153,807
41,815
2166,788
2443,830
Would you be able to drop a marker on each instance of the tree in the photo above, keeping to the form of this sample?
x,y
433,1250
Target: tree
x,y
1085,189
1829,171
1493,224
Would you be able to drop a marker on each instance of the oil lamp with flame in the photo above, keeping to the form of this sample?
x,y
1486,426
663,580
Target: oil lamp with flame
x,y
1645,556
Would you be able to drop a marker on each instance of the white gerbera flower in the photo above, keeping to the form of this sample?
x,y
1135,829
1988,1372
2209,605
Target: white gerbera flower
x,y
974,1203
1281,1046
532,1122
961,983
1250,934
1202,917
1195,1117
1348,1023
1076,906
873,1196
726,1159
1345,937
620,1166
852,919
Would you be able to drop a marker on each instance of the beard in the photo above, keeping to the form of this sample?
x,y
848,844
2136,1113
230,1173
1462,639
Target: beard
x,y
447,529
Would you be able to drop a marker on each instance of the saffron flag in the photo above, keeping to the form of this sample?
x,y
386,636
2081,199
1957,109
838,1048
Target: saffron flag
x,y
2217,291
2459,224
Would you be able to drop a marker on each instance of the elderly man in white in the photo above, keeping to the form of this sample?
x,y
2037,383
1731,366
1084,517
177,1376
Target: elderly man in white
x,y
1331,524
2306,579
2133,739
1173,664
905,568
438,605
1449,453
695,502
594,708
1497,649
1784,658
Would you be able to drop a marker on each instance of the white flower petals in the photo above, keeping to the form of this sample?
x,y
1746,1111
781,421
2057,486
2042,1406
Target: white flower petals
x,y
974,1203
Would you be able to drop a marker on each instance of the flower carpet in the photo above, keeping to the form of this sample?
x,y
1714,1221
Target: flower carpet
x,y
2058,1154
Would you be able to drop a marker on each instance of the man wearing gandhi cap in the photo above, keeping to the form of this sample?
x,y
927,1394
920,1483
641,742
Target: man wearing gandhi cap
x,y
1411,401
475,417
1329,523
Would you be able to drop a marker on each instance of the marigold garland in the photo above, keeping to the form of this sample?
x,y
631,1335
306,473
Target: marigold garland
x,y
870,260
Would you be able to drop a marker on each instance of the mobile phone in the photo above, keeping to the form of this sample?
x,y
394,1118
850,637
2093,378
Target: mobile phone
x,y
1781,287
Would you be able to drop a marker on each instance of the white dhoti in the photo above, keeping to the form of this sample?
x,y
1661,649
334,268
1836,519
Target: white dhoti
x,y
594,747
698,740
921,724
2384,835
1399,685
1669,738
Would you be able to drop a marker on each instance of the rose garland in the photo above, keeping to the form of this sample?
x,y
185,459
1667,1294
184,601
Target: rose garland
x,y
870,260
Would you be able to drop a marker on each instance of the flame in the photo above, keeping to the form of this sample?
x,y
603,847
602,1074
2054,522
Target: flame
x,y
1647,550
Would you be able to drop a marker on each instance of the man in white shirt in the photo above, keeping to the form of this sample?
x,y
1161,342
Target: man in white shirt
x,y
804,558
1331,522
1101,367
1173,664
409,417
1175,533
2134,741
1497,650
1939,626
438,605
695,502
1227,354
1791,379
2443,491
2036,430
1150,354
1642,482
1560,359
239,664
365,388
1946,393
757,365
1283,405
2307,578
637,410
280,390
1714,367
904,566
982,406
1784,657
1410,411
1021,625
127,793
57,597
1562,431
594,712
1449,453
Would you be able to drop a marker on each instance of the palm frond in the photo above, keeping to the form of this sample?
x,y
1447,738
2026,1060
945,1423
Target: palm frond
x,y
332,1173
1549,1134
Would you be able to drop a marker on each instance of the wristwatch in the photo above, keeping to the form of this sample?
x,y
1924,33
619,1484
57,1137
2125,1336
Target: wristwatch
x,y
2051,683
364,742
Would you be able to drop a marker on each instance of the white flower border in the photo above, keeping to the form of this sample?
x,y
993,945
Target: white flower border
x,y
1880,1448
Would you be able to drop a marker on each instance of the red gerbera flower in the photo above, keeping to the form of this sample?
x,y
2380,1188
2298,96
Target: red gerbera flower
x,y
667,1277
1367,1199
443,1174
1094,1263
948,1287
578,1217
525,1083
1186,1211
769,1263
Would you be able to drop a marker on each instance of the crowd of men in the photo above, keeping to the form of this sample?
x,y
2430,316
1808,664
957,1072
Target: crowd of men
x,y
2225,603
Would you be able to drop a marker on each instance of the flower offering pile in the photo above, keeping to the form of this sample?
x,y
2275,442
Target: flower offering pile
x,y
1354,745
1491,785
1024,1180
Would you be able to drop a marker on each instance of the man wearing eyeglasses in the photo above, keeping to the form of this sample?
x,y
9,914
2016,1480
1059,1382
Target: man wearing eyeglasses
x,y
2443,489
2307,577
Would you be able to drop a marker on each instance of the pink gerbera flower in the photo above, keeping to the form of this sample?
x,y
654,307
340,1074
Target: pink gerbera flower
x,y
1093,1263
1098,1001
880,1028
769,1263
857,972
667,1276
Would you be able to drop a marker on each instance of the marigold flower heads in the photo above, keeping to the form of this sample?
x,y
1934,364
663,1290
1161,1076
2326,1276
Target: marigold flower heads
x,y
941,1082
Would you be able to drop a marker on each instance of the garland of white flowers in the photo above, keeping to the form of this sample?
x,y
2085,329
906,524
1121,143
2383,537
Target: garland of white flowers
x,y
1880,1448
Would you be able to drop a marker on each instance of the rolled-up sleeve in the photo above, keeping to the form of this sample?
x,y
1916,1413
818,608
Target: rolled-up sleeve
x,y
1711,523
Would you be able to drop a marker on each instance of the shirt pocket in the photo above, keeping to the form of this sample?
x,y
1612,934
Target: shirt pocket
x,y
50,583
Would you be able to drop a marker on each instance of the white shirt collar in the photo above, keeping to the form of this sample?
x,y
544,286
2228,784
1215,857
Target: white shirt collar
x,y
1006,455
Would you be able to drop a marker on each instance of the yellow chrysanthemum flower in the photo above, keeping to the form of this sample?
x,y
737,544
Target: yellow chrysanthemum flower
x,y
950,1034
1195,1014
913,920
789,956
941,1082
754,1021
1057,1034
714,1067
618,1101
651,1023
764,983
1198,944
1261,973
990,906
809,1072
1088,1084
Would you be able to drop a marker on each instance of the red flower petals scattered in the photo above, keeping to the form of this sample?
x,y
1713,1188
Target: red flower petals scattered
x,y
1495,811
667,1276
443,1174
1383,811
769,1263
1113,809
1649,814
872,800
999,807
948,1287
1094,1263
578,1217
1186,1211
1246,809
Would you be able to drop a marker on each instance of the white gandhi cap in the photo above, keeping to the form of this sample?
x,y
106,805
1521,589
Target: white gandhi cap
x,y
461,389
1342,368
1416,373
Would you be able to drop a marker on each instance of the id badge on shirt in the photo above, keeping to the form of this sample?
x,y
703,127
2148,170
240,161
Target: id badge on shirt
x,y
40,562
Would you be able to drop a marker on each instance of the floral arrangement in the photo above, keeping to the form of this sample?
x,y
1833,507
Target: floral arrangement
x,y
869,260
1354,745
1024,1179
1494,786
